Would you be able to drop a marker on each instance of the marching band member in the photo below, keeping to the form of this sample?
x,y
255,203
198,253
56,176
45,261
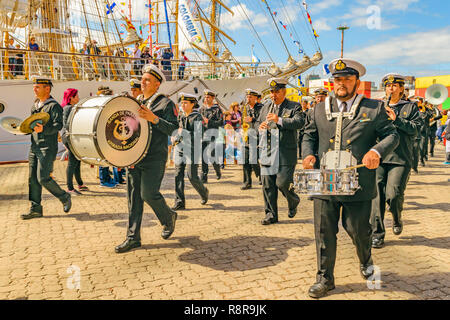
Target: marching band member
x,y
359,135
213,119
320,95
144,179
393,173
435,116
424,132
253,108
188,120
286,116
136,90
44,146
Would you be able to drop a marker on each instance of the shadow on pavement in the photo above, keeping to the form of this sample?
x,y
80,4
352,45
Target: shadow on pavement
x,y
439,242
421,286
237,253
443,206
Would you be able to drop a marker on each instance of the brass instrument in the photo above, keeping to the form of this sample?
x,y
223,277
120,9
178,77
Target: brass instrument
x,y
245,125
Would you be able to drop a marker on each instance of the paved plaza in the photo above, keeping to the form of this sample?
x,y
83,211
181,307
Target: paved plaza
x,y
218,251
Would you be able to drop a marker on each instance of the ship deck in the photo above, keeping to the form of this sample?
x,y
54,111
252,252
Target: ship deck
x,y
218,251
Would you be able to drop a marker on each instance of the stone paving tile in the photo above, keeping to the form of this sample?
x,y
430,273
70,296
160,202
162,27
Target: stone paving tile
x,y
218,251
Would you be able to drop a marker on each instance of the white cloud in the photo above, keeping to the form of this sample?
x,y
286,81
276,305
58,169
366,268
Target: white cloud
x,y
408,50
358,16
321,25
239,20
319,6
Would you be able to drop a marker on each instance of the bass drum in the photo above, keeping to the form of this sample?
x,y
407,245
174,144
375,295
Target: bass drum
x,y
107,130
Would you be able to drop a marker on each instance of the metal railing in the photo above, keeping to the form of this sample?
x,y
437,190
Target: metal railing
x,y
23,64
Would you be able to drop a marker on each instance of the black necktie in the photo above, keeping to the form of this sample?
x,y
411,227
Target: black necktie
x,y
344,106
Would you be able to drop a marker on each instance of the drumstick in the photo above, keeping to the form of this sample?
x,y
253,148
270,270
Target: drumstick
x,y
355,167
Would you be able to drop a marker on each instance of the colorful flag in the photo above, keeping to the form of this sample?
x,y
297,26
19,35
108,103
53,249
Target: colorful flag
x,y
255,60
328,85
110,8
300,83
129,24
326,69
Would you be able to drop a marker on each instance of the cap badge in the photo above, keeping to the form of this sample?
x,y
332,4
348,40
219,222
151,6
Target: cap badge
x,y
273,83
340,65
391,79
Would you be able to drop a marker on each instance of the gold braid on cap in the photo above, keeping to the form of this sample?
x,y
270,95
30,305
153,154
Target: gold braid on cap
x,y
156,75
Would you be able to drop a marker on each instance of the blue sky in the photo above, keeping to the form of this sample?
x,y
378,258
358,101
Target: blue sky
x,y
412,36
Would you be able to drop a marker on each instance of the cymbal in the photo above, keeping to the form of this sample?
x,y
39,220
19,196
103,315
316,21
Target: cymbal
x,y
28,124
12,125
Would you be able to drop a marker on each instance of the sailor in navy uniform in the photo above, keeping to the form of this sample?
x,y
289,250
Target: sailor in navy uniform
x,y
278,163
190,122
251,162
212,119
135,88
394,170
369,136
43,150
144,179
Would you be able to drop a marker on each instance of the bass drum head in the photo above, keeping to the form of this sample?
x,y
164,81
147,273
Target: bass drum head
x,y
122,136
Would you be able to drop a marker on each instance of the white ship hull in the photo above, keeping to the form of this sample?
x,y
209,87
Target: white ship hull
x,y
18,98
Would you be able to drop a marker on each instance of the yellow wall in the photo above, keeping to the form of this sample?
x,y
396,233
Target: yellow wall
x,y
425,82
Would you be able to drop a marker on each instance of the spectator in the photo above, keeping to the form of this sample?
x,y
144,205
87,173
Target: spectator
x,y
447,142
73,168
167,63
137,53
85,49
235,116
146,56
32,45
155,60
12,57
19,61
182,66
93,48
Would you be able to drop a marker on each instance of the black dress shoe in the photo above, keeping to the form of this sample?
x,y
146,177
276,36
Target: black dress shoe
x,y
31,215
377,243
268,221
170,228
67,204
319,289
366,271
219,176
205,199
292,212
246,187
205,179
179,206
397,229
127,245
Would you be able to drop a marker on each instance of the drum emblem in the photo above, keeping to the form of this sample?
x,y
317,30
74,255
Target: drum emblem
x,y
122,130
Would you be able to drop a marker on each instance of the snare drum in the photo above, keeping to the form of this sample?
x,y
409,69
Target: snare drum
x,y
107,130
326,182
